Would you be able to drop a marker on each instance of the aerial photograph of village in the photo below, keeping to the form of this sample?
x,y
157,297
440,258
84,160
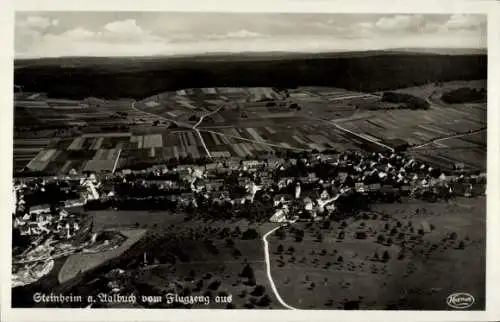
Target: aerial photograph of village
x,y
249,161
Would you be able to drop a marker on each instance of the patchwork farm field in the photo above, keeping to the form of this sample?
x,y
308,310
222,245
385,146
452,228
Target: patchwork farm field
x,y
243,122
398,262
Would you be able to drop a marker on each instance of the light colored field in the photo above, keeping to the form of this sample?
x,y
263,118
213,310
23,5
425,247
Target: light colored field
x,y
270,129
210,90
315,146
186,103
66,167
99,154
83,262
299,140
97,144
153,141
76,144
221,154
224,139
236,147
231,90
45,155
215,137
152,104
255,135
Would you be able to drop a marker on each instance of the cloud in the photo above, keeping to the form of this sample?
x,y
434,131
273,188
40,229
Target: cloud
x,y
37,22
401,23
40,36
128,26
78,33
461,21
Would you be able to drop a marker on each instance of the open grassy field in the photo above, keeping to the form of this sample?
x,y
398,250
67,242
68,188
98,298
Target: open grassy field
x,y
195,257
82,262
420,271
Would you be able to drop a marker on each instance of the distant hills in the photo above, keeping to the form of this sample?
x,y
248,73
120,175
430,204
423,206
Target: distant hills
x,y
76,61
139,77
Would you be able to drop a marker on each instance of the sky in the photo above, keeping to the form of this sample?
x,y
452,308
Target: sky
x,y
56,34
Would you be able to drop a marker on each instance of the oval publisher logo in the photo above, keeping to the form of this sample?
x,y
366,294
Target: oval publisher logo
x,y
460,300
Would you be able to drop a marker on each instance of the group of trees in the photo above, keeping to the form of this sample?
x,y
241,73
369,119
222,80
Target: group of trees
x,y
464,95
139,78
411,101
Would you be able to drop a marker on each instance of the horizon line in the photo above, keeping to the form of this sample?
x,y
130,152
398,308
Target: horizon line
x,y
340,51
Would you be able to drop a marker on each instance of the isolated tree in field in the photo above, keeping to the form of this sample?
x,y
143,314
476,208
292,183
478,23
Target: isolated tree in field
x,y
319,238
380,239
375,257
264,301
461,245
386,226
259,290
250,233
281,234
214,285
291,249
248,273
340,259
341,235
421,232
279,250
198,285
236,253
393,232
323,252
361,235
236,231
385,256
